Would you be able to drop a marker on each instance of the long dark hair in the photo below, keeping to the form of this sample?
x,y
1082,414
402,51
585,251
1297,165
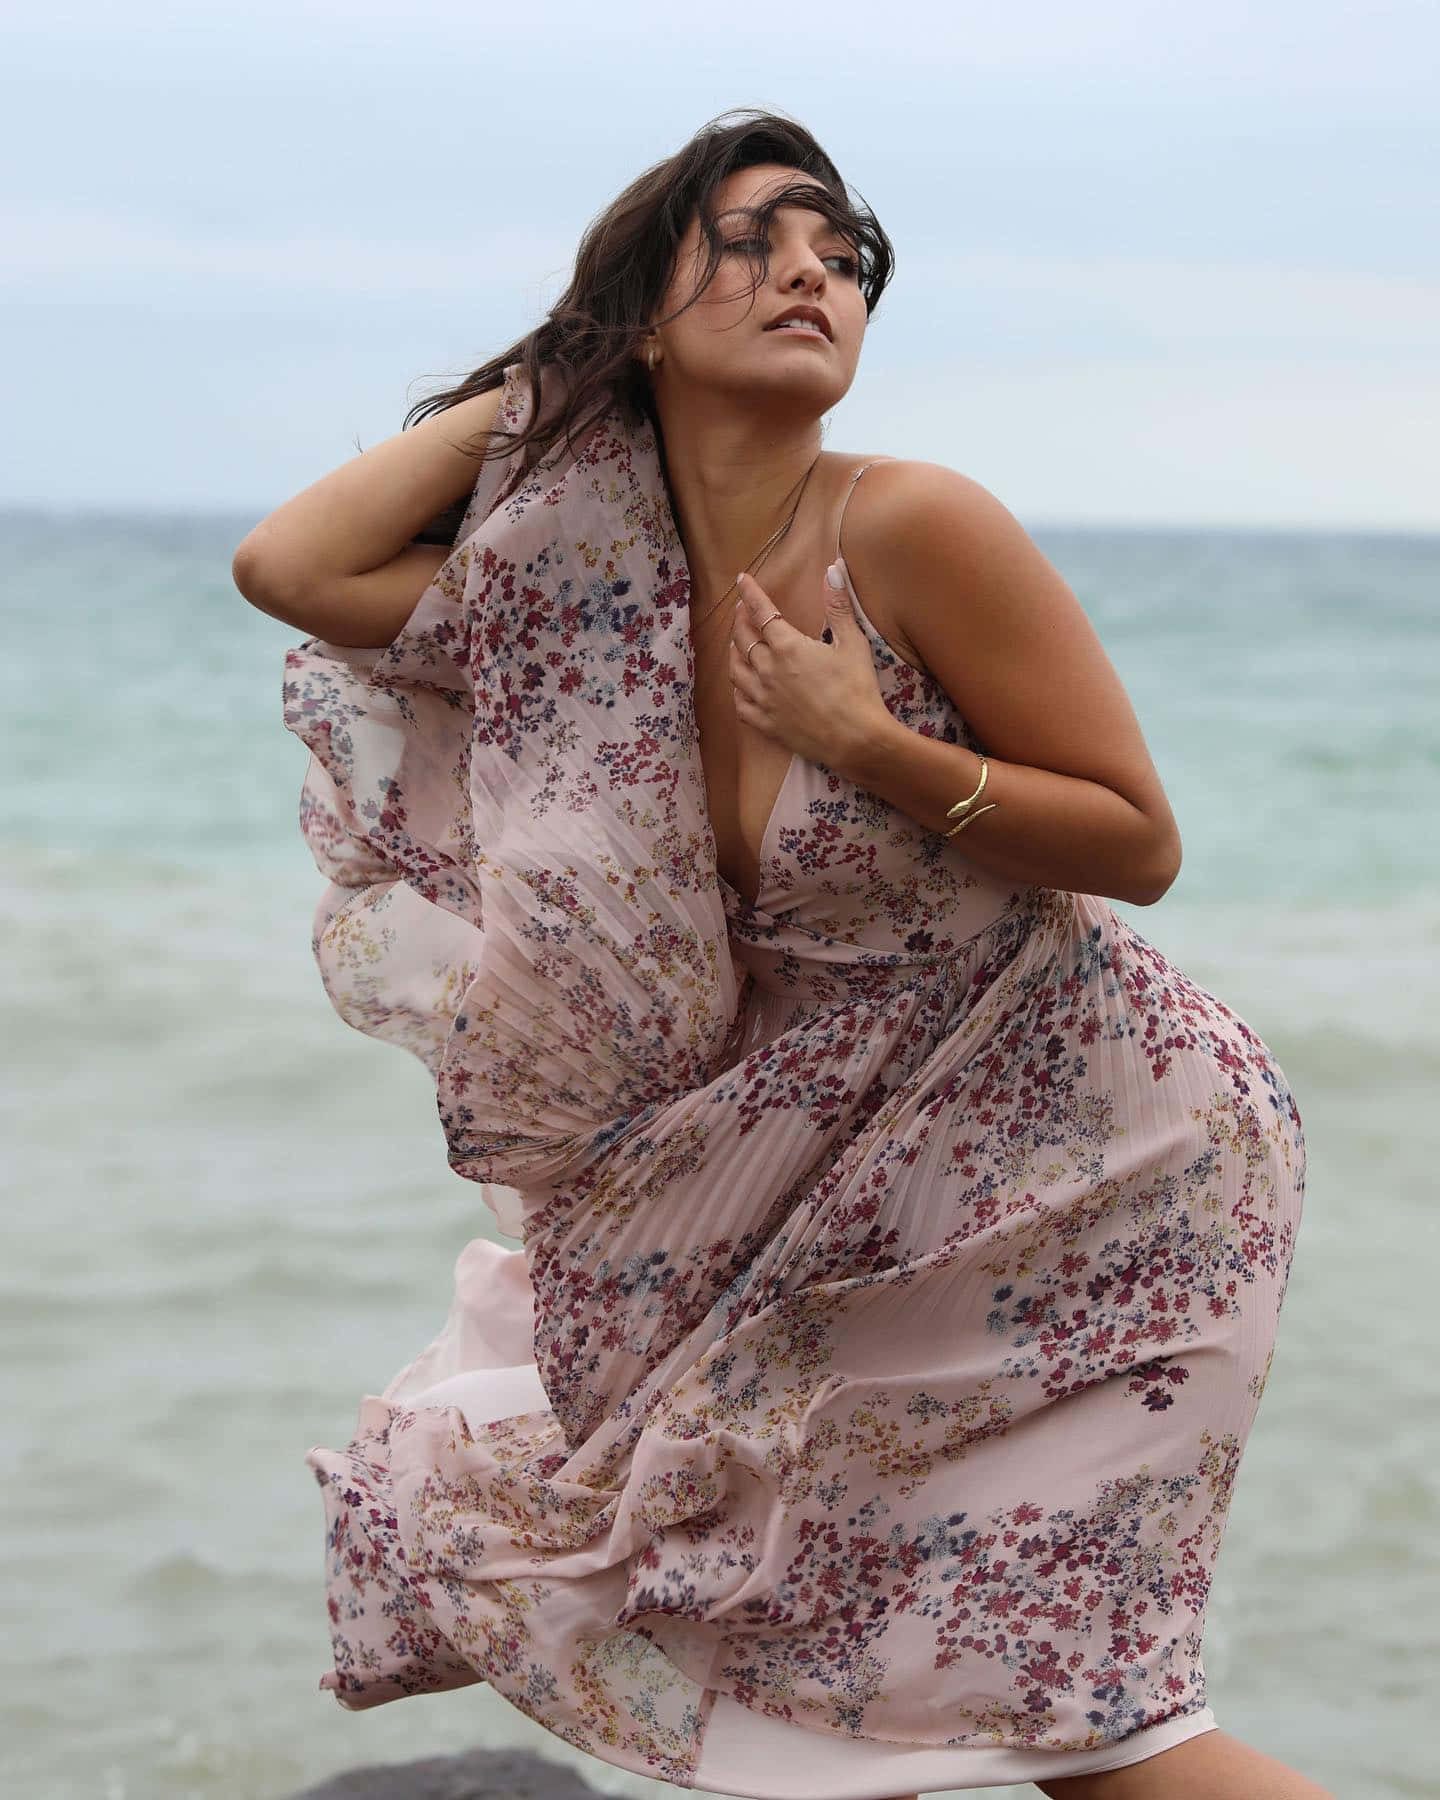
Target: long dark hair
x,y
623,267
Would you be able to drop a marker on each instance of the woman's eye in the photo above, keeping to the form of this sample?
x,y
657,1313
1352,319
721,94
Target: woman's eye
x,y
848,264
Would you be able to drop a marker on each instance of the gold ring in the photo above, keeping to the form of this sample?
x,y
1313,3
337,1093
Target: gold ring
x,y
770,621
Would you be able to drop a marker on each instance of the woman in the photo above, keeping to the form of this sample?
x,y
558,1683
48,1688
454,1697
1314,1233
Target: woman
x,y
903,1236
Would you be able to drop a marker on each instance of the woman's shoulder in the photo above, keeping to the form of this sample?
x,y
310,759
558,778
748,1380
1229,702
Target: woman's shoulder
x,y
911,522
899,492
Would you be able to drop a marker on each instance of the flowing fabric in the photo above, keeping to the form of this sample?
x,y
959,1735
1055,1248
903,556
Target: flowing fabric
x,y
902,1251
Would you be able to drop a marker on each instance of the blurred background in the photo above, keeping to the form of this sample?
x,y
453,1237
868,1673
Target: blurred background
x,y
1167,283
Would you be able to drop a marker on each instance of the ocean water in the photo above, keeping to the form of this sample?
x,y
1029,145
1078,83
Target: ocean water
x,y
228,1216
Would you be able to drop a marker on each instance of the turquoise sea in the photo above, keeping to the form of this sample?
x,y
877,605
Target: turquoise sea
x,y
228,1216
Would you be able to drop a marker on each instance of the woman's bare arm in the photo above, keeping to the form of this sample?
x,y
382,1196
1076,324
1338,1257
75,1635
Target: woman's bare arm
x,y
1078,801
365,611
337,561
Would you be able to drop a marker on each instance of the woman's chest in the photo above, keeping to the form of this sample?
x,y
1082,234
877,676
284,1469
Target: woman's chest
x,y
748,772
744,769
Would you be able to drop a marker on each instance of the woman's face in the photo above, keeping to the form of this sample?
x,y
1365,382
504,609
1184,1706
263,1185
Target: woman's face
x,y
721,342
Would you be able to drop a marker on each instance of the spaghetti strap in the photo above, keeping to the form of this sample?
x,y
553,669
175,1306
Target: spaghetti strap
x,y
849,491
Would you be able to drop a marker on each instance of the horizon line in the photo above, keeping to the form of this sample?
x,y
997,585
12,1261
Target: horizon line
x,y
232,513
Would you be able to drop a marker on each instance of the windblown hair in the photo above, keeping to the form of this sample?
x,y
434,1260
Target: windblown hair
x,y
623,269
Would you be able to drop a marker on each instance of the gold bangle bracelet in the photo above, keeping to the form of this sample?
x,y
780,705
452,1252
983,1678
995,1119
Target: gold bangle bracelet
x,y
970,818
963,806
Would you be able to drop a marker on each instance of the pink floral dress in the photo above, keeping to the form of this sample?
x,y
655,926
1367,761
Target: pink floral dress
x,y
902,1252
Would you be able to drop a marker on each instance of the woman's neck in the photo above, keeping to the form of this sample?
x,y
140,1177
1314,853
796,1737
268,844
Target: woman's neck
x,y
732,483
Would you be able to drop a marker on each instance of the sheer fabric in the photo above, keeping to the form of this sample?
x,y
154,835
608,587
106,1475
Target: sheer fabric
x,y
900,1254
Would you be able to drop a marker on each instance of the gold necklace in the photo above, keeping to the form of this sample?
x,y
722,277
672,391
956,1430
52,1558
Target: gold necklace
x,y
763,552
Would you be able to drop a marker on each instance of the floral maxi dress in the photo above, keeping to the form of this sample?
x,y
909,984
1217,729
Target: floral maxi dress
x,y
900,1253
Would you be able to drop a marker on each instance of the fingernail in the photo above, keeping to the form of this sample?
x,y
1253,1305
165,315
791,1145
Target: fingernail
x,y
740,579
834,577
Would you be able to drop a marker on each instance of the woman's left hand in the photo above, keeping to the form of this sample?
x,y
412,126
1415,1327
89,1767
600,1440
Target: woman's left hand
x,y
820,700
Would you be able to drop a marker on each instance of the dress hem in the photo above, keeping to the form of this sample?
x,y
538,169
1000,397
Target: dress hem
x,y
757,1757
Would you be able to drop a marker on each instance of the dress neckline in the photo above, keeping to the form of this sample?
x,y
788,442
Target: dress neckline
x,y
764,851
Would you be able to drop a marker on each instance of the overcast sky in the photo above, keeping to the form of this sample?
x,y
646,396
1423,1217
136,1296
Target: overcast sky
x,y
1161,263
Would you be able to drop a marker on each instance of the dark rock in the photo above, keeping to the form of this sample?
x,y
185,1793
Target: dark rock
x,y
477,1775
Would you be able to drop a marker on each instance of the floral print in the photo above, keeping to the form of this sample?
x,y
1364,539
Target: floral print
x,y
901,1253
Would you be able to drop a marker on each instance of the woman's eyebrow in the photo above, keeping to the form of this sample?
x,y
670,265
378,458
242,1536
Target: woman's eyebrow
x,y
753,212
